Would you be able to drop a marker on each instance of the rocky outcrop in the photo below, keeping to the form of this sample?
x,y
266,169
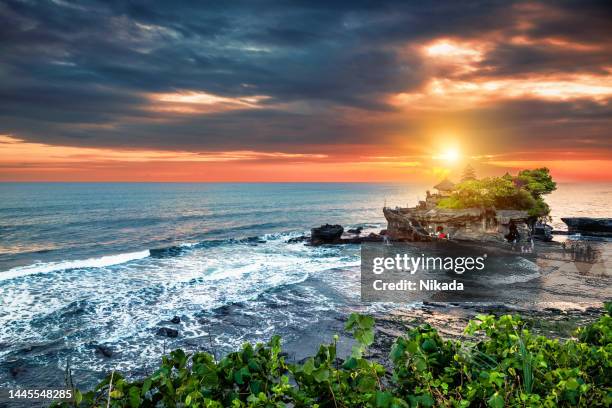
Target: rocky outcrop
x,y
326,234
167,332
103,350
589,226
471,224
401,226
333,235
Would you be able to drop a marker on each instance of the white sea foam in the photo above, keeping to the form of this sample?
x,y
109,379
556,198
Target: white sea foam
x,y
47,267
122,304
520,264
510,279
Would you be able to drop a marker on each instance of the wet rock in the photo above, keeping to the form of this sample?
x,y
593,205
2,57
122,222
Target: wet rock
x,y
297,240
167,332
167,252
326,234
103,350
355,230
175,320
589,226
254,240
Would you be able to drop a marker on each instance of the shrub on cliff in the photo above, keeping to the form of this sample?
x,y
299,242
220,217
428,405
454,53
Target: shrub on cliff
x,y
523,192
509,366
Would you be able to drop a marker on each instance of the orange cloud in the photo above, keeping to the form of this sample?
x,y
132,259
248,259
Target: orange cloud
x,y
459,77
444,93
16,151
460,56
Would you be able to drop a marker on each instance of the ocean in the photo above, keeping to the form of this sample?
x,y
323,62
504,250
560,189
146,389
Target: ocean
x,y
90,265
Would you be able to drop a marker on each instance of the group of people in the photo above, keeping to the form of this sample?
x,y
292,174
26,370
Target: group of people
x,y
513,236
441,234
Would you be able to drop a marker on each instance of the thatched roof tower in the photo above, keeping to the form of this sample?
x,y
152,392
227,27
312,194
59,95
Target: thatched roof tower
x,y
445,186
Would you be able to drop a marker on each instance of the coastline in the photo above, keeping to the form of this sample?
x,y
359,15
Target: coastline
x,y
450,319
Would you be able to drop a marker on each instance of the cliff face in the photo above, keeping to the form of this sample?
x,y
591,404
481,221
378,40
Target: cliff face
x,y
472,224
402,228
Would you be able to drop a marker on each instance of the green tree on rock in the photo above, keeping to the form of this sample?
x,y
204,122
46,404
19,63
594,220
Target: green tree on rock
x,y
537,182
523,192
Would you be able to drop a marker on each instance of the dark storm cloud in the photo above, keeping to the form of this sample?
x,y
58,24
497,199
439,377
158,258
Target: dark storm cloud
x,y
81,73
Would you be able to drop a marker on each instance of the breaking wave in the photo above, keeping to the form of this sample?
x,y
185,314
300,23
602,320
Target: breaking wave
x,y
117,259
48,267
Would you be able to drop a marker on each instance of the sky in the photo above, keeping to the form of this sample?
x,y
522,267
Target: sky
x,y
303,90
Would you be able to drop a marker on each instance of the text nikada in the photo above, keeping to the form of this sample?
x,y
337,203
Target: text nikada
x,y
428,285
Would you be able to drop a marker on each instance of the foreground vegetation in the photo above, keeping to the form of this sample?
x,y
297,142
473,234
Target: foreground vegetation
x,y
521,192
507,366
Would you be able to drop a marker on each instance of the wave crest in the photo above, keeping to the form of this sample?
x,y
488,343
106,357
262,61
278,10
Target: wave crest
x,y
48,267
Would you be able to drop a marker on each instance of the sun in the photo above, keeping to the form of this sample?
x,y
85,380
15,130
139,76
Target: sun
x,y
450,156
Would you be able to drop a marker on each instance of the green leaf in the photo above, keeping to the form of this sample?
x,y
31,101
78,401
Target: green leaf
x,y
426,400
256,387
350,364
365,322
429,345
412,347
134,397
496,401
383,399
116,394
78,397
420,364
321,374
367,383
308,366
572,384
146,386
240,374
397,351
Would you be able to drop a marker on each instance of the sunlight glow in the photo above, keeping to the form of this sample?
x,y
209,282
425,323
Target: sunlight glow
x,y
450,156
452,50
195,102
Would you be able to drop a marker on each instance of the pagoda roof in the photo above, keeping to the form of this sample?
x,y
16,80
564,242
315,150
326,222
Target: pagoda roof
x,y
444,185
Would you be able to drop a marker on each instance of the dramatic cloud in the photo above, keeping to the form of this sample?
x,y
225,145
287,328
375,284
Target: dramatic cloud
x,y
321,82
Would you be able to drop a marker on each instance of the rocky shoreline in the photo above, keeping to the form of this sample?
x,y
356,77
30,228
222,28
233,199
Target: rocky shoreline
x,y
450,320
564,266
328,234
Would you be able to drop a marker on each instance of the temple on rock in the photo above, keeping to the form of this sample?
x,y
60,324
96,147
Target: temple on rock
x,y
427,221
445,189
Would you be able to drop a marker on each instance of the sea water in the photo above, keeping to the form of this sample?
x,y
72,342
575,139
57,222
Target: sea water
x,y
86,265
